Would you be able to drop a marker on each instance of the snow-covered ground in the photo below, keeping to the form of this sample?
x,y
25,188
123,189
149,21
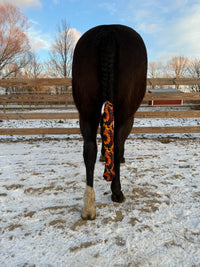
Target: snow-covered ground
x,y
42,181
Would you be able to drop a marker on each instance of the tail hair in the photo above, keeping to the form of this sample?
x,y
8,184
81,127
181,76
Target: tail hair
x,y
107,73
108,140
107,65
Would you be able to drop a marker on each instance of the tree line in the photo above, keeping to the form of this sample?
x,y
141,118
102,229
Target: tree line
x,y
18,61
178,67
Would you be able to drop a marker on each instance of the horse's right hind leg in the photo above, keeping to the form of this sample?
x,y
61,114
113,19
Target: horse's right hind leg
x,y
102,157
121,133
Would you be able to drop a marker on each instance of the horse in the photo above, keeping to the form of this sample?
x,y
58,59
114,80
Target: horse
x,y
109,72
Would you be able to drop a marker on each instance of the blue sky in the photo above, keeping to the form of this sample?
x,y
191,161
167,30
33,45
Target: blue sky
x,y
168,27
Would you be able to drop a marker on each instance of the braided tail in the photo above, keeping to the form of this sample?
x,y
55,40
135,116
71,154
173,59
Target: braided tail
x,y
107,79
108,140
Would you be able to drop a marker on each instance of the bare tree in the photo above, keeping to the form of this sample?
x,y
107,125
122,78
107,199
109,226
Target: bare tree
x,y
62,51
14,44
153,69
178,66
194,72
34,68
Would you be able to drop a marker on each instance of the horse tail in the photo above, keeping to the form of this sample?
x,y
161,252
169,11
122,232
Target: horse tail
x,y
107,73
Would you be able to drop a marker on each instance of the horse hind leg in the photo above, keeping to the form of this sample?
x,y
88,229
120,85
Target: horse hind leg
x,y
121,133
102,156
90,151
117,194
89,154
89,211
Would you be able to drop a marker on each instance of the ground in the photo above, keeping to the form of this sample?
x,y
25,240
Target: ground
x,y
42,183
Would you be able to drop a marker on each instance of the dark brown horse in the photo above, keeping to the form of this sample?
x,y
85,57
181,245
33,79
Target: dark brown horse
x,y
109,64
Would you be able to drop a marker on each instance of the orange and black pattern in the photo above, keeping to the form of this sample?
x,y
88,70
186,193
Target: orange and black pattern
x,y
108,141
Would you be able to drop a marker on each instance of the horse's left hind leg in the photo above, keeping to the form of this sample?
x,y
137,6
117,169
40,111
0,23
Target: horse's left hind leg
x,y
89,154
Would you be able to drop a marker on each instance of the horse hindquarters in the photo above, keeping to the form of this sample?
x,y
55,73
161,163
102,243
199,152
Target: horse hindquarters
x,y
109,64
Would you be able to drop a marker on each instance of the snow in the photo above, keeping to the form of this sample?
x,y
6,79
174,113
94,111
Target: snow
x,y
42,181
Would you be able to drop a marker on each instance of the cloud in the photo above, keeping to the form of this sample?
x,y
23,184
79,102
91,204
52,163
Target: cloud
x,y
143,27
56,2
167,29
164,58
23,3
34,22
39,41
182,35
110,7
76,34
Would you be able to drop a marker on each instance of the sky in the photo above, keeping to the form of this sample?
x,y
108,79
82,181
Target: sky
x,y
168,27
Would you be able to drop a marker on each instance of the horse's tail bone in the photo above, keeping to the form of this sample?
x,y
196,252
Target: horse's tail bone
x,y
107,78
107,64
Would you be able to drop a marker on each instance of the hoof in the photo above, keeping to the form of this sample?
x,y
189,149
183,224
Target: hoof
x,y
118,198
88,214
89,211
102,158
122,160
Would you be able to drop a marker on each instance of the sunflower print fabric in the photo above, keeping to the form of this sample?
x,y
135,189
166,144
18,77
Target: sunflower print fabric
x,y
108,141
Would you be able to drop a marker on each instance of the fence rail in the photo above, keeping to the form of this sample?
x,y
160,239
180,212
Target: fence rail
x,y
40,98
68,81
36,82
66,98
69,131
74,115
